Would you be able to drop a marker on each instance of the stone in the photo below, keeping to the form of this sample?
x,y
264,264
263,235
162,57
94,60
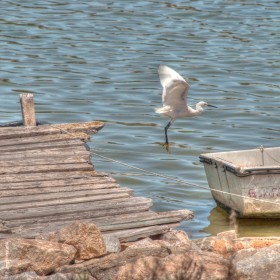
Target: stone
x,y
230,234
85,237
227,243
106,267
112,243
222,244
70,276
177,241
257,264
30,275
255,242
191,266
43,257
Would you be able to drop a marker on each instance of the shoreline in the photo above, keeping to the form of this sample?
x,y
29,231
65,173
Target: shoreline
x,y
80,251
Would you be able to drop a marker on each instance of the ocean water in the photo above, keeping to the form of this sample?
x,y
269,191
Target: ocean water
x,y
98,60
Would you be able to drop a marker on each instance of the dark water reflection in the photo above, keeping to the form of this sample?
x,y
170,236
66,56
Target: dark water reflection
x,y
89,60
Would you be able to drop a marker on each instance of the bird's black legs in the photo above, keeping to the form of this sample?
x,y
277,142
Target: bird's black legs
x,y
166,145
165,130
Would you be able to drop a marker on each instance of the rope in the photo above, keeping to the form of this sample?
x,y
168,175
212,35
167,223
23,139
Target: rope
x,y
180,181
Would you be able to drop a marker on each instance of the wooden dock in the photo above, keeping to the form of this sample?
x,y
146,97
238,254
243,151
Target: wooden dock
x,y
47,180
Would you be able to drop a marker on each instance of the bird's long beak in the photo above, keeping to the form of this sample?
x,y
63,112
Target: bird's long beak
x,y
212,106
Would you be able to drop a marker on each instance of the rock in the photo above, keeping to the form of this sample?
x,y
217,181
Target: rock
x,y
70,276
107,267
31,275
222,244
257,264
229,235
112,243
255,242
43,257
226,243
85,237
191,266
177,241
143,243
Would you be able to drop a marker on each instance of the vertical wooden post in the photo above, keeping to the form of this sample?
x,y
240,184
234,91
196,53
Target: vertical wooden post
x,y
27,109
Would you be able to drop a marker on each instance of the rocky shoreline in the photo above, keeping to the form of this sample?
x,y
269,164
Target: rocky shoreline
x,y
80,252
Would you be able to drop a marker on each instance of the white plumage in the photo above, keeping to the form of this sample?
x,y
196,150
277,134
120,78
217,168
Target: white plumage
x,y
174,98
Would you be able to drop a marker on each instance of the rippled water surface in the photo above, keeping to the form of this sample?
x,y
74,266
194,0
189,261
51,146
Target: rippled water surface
x,y
98,60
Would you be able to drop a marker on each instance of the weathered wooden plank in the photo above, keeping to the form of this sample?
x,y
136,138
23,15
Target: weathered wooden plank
x,y
29,191
54,153
114,204
150,218
126,221
70,143
14,202
47,176
31,161
28,109
139,224
46,168
64,201
16,132
113,218
91,182
134,234
43,138
87,215
117,222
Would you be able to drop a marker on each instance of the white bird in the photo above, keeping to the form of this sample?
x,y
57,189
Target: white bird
x,y
174,98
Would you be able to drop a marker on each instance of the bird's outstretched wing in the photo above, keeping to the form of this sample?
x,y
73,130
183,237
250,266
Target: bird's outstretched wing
x,y
175,88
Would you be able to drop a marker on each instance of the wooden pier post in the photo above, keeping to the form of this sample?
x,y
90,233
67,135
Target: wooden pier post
x,y
28,109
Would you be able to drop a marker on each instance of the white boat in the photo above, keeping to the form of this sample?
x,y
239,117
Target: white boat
x,y
251,176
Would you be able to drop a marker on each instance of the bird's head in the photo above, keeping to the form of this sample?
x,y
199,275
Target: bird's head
x,y
204,104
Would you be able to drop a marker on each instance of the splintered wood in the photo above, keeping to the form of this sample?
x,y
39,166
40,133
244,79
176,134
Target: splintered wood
x,y
47,180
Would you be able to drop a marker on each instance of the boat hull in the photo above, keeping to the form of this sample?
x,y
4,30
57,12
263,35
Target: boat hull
x,y
246,181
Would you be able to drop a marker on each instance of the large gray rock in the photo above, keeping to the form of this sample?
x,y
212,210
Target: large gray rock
x,y
43,257
257,264
85,237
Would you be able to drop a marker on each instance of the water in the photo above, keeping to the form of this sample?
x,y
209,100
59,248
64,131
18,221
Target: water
x,y
98,61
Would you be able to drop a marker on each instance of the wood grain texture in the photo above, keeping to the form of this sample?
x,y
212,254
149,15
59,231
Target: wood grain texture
x,y
47,180
28,109
46,129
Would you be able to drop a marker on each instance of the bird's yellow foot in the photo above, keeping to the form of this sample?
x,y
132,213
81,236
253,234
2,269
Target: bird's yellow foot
x,y
166,146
